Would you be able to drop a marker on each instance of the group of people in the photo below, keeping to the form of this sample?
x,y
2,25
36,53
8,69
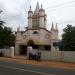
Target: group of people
x,y
33,54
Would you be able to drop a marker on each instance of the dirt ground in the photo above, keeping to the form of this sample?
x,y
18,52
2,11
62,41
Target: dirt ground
x,y
56,64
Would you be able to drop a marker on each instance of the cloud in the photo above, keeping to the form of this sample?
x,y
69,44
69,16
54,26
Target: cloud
x,y
15,12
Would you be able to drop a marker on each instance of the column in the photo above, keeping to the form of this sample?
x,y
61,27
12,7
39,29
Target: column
x,y
17,49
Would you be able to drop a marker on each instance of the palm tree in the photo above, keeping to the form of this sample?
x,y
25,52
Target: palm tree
x,y
1,22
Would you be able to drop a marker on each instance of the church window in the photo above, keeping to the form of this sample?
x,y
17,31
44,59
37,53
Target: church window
x,y
35,32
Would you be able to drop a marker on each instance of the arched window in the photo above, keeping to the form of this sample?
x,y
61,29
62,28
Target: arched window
x,y
35,32
30,43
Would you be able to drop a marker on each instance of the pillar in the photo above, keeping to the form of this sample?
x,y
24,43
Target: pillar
x,y
17,49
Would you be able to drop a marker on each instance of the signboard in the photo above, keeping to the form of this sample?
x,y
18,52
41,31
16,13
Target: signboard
x,y
57,44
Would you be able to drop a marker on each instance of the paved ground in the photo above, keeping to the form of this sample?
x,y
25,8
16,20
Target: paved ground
x,y
21,60
18,66
6,70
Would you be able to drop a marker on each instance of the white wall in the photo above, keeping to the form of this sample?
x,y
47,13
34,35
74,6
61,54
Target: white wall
x,y
41,36
66,56
69,56
8,52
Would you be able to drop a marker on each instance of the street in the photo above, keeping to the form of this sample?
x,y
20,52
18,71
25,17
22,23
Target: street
x,y
12,68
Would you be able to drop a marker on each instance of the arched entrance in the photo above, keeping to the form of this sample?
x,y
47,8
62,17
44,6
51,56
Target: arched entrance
x,y
30,43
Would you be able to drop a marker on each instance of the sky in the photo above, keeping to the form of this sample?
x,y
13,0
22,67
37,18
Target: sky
x,y
15,12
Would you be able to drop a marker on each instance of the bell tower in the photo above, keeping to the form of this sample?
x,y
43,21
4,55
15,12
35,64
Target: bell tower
x,y
42,19
30,14
37,19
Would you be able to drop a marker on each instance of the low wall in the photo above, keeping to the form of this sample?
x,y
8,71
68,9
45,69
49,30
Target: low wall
x,y
69,56
66,56
8,52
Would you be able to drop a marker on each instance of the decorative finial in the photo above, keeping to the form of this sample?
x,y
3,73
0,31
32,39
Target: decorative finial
x,y
41,5
30,9
37,2
37,8
37,5
56,27
52,23
52,28
30,6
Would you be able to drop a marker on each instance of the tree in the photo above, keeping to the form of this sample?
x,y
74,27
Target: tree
x,y
7,38
68,38
1,22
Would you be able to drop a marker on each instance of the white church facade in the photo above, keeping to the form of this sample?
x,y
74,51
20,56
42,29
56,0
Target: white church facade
x,y
36,34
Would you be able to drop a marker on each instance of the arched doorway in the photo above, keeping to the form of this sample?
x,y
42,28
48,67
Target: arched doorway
x,y
30,43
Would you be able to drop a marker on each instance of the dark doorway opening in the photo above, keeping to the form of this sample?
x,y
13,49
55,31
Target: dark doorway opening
x,y
23,50
35,47
30,43
48,47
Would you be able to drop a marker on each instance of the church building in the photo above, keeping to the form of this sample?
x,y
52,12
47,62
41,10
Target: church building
x,y
36,34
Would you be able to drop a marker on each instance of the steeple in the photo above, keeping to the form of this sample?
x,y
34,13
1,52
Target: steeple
x,y
41,6
56,27
52,28
41,9
30,14
30,10
37,8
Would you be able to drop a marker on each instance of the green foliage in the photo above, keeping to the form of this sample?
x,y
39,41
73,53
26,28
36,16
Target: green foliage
x,y
7,38
68,38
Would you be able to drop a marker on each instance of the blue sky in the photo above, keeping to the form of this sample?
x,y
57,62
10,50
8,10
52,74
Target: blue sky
x,y
58,11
